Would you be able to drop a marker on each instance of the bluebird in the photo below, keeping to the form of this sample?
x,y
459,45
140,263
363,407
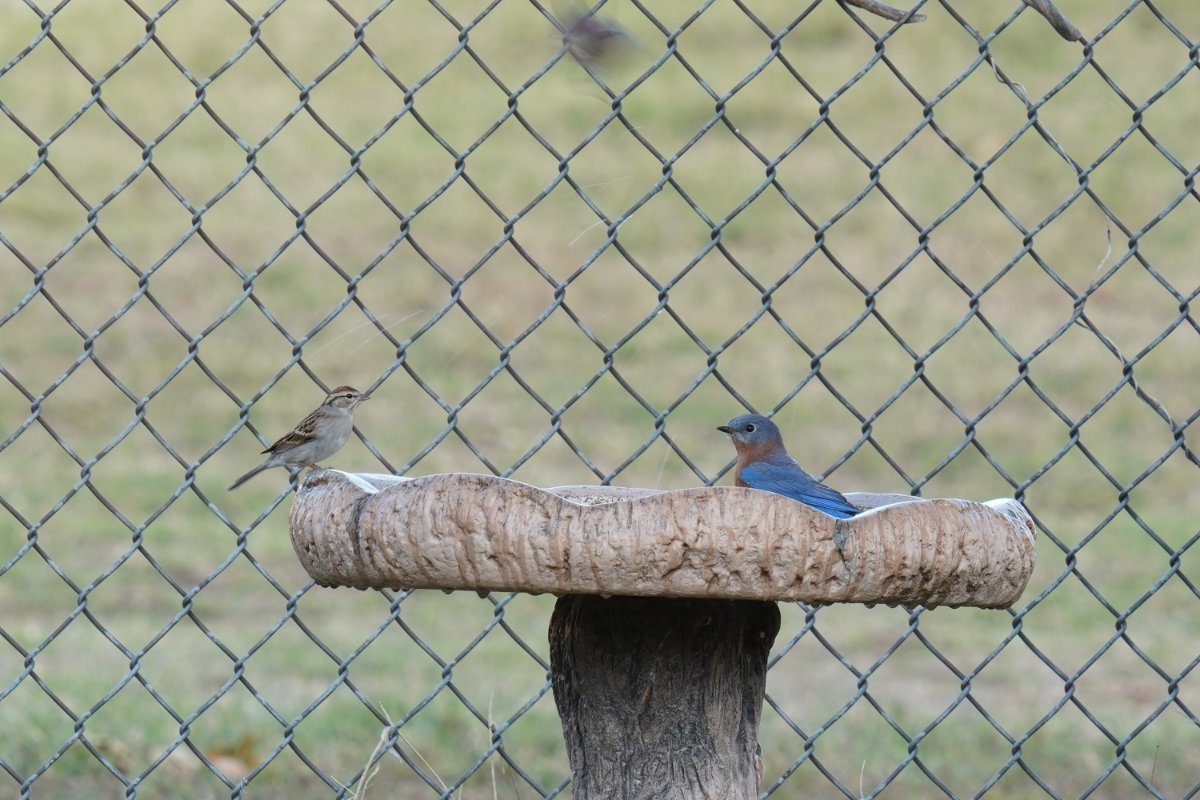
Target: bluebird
x,y
763,463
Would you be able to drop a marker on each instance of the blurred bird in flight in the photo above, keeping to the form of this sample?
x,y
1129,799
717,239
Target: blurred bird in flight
x,y
763,463
590,38
319,435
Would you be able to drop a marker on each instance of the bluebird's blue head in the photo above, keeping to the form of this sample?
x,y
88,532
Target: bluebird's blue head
x,y
752,431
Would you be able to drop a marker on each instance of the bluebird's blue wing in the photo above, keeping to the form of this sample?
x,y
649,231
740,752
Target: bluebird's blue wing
x,y
797,484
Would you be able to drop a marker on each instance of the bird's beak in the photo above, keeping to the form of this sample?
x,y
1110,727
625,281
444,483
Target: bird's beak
x,y
724,429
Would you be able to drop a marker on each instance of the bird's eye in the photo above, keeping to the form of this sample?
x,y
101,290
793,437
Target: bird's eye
x,y
749,427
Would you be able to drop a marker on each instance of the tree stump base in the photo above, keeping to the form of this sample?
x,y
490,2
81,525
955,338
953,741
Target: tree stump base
x,y
660,698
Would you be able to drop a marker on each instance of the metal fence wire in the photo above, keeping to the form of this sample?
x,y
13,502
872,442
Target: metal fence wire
x,y
953,258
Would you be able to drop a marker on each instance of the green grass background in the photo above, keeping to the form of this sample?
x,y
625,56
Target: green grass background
x,y
137,519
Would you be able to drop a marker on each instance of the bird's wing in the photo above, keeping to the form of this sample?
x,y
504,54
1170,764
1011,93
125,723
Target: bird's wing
x,y
797,484
301,434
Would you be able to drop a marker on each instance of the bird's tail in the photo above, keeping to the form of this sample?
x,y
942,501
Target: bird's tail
x,y
265,465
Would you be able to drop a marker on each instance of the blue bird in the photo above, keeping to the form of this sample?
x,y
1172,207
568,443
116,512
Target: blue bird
x,y
763,463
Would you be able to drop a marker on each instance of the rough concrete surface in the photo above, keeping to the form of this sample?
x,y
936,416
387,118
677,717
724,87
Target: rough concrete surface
x,y
478,532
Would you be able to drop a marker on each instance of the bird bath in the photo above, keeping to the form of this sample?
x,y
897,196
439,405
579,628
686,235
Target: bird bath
x,y
666,611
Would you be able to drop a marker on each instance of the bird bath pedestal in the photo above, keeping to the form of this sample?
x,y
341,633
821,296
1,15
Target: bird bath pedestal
x,y
666,600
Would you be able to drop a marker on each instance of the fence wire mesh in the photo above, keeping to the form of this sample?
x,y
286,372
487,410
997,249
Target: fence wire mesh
x,y
561,244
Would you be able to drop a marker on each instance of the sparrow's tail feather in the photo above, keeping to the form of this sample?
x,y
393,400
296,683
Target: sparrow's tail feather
x,y
265,465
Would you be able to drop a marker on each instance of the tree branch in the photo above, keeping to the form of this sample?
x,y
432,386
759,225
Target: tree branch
x,y
1055,17
1044,7
884,10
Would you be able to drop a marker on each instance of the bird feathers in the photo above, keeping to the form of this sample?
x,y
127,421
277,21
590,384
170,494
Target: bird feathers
x,y
794,482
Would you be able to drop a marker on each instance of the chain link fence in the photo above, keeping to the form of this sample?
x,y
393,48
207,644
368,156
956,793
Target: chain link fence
x,y
953,258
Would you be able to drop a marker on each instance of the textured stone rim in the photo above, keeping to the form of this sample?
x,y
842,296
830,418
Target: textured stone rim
x,y
478,532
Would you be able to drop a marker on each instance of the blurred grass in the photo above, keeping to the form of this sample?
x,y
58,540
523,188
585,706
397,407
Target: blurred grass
x,y
295,289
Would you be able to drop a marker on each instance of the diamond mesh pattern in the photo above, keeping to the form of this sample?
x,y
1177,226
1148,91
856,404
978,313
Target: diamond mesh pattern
x,y
953,259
